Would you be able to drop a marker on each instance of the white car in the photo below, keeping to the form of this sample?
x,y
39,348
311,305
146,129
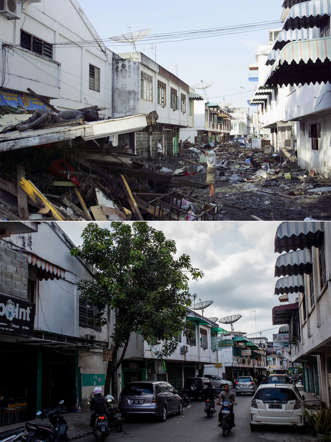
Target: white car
x,y
277,404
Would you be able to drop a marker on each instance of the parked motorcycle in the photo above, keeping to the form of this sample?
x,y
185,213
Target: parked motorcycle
x,y
185,397
210,409
114,413
56,432
226,411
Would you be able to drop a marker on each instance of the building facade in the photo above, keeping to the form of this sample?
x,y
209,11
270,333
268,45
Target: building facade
x,y
42,49
141,86
196,347
294,91
306,271
50,339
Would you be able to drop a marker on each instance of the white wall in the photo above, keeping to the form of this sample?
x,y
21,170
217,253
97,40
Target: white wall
x,y
67,76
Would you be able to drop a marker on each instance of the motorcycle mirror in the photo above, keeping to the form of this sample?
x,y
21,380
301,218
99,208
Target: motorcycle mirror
x,y
61,402
39,413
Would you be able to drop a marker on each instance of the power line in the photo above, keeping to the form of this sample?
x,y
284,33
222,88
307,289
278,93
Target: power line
x,y
177,36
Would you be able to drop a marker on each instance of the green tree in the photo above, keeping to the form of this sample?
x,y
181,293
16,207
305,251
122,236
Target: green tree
x,y
138,276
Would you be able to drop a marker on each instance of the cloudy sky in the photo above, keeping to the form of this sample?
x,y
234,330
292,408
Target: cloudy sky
x,y
222,61
237,259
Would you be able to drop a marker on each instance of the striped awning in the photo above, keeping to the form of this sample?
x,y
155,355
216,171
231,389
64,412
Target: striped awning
x,y
290,3
294,263
289,284
282,314
307,14
45,269
302,62
298,235
195,96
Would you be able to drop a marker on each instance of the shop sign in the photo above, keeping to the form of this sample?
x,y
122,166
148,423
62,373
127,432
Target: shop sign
x,y
16,315
20,100
281,337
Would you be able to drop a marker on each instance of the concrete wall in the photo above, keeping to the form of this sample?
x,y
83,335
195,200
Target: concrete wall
x,y
126,87
92,371
13,272
320,159
66,77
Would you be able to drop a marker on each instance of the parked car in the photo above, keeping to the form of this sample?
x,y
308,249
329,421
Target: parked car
x,y
154,398
277,404
218,382
196,386
278,379
245,385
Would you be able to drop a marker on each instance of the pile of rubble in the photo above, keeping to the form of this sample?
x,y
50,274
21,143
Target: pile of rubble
x,y
256,184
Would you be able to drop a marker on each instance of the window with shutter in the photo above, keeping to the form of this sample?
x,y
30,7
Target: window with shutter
x,y
36,45
94,78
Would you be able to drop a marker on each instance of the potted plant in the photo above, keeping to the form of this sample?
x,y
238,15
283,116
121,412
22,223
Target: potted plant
x,y
319,422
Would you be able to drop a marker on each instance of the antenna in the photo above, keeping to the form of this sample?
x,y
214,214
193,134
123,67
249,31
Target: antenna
x,y
203,86
202,305
230,320
131,37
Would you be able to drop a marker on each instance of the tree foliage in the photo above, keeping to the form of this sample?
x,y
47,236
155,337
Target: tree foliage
x,y
140,277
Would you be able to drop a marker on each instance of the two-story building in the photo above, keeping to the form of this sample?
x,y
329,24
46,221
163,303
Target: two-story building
x,y
141,86
44,48
196,347
306,265
52,343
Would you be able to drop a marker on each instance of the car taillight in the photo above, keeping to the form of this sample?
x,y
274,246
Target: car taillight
x,y
252,383
102,418
254,403
237,382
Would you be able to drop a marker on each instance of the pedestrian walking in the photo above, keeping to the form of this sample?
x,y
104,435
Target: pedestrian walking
x,y
210,157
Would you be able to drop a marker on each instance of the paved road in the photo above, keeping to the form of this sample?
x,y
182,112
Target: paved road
x,y
193,426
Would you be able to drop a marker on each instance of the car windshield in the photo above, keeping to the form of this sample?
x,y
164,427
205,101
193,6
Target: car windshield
x,y
244,379
278,380
138,389
275,395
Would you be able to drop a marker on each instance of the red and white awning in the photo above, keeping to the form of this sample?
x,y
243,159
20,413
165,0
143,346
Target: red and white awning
x,y
46,270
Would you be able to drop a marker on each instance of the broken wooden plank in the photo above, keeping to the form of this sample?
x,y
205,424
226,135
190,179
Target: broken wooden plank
x,y
79,212
63,184
132,201
22,199
35,195
82,203
98,213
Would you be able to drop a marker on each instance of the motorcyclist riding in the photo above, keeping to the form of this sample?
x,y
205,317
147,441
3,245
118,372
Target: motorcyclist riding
x,y
226,395
210,393
98,405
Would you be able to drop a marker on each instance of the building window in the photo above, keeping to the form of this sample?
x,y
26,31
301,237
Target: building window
x,y
315,134
161,94
36,45
89,316
183,103
146,87
190,333
32,289
94,78
203,338
174,99
311,290
322,265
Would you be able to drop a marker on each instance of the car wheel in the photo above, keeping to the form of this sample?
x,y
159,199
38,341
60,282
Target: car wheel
x,y
163,414
253,427
180,408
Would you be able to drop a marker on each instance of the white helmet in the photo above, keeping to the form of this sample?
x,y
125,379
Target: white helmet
x,y
97,390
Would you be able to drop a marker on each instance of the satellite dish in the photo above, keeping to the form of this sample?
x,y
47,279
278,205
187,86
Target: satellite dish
x,y
131,37
202,305
203,86
230,320
213,319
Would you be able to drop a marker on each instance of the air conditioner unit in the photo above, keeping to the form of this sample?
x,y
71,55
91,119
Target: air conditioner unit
x,y
183,349
9,9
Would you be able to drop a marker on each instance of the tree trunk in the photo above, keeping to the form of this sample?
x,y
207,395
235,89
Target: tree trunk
x,y
113,366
